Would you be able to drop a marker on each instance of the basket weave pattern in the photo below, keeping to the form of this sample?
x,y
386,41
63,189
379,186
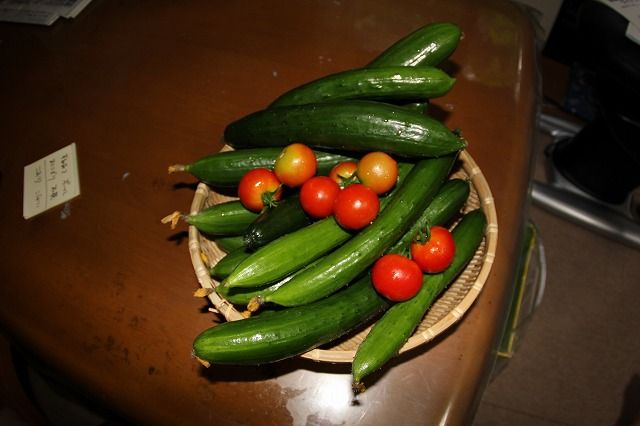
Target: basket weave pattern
x,y
449,308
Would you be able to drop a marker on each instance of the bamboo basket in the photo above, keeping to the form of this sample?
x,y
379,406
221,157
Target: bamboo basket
x,y
447,310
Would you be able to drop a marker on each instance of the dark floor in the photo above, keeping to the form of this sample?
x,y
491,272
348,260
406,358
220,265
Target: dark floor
x,y
578,362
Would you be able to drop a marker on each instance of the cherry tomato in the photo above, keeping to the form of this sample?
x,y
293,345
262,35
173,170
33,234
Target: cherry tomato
x,y
396,277
378,171
436,254
259,187
318,195
343,171
356,206
295,164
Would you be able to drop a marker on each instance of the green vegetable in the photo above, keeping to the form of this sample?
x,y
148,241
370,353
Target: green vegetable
x,y
428,45
229,244
346,125
345,263
389,84
224,169
228,263
223,219
275,335
391,332
287,216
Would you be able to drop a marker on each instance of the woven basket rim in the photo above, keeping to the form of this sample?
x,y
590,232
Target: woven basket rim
x,y
335,355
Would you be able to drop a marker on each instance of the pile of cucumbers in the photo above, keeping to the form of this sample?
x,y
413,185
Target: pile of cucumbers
x,y
307,281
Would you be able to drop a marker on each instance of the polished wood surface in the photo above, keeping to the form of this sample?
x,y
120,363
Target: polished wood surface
x,y
103,295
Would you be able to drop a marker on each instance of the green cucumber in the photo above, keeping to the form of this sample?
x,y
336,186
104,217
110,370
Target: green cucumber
x,y
428,45
287,216
276,335
451,197
272,336
229,244
245,296
345,263
228,263
419,107
391,332
388,84
224,169
223,219
293,251
346,125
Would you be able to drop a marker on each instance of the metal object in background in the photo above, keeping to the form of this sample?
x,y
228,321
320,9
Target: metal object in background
x,y
559,196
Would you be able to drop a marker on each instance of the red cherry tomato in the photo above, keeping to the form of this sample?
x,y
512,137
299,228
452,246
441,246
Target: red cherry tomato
x,y
378,171
318,195
436,254
259,187
295,164
396,277
356,206
343,171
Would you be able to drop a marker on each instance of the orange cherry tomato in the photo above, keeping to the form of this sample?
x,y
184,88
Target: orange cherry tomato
x,y
356,206
258,188
295,164
343,171
436,254
396,277
378,171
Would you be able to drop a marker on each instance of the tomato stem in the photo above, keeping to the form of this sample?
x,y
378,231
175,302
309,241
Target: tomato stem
x,y
270,198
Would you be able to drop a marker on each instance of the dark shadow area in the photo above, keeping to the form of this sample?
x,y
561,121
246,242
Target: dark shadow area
x,y
179,237
630,412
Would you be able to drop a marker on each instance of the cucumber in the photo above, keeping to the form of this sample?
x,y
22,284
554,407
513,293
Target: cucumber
x,y
287,216
229,244
347,125
390,332
293,251
388,84
428,45
228,263
419,107
345,263
225,169
246,296
272,336
451,197
276,335
223,219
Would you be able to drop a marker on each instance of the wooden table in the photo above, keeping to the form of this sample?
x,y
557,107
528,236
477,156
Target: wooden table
x,y
101,292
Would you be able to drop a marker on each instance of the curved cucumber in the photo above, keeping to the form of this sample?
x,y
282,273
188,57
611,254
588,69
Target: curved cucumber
x,y
339,267
390,332
273,336
243,296
428,45
389,84
225,169
346,125
449,200
224,219
287,216
228,263
229,244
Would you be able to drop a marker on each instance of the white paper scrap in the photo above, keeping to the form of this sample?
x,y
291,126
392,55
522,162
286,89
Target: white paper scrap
x,y
51,181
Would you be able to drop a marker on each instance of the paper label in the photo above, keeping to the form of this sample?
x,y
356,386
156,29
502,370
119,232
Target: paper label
x,y
50,181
